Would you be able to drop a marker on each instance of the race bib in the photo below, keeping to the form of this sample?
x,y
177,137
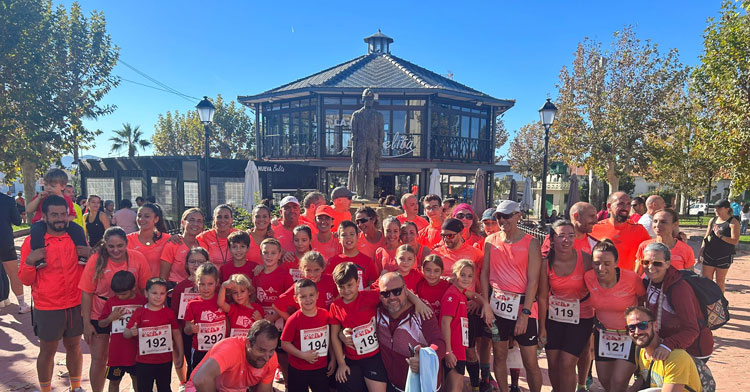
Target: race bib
x,y
210,334
564,311
239,332
314,339
505,304
268,310
465,331
361,279
118,326
184,299
296,274
155,340
365,339
614,345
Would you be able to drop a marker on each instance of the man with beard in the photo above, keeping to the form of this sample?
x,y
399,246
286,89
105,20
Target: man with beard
x,y
399,327
583,218
224,370
625,235
289,220
675,373
57,299
654,203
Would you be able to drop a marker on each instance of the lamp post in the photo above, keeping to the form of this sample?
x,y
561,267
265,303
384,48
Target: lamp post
x,y
547,115
206,113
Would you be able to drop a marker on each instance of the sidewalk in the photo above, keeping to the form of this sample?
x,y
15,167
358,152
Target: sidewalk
x,y
729,364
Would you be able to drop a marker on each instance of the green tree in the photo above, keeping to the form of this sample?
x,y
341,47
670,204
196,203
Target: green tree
x,y
130,138
55,67
721,84
610,101
232,133
526,152
501,137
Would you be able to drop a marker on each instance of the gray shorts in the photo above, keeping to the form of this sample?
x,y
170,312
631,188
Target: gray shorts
x,y
53,325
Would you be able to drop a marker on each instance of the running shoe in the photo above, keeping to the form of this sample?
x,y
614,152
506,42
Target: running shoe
x,y
515,388
24,308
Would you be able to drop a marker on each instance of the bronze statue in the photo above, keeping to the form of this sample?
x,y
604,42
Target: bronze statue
x,y
368,135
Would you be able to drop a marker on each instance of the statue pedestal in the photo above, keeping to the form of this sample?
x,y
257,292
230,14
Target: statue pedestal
x,y
359,202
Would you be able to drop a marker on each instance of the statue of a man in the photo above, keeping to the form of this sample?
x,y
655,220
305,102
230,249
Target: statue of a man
x,y
368,135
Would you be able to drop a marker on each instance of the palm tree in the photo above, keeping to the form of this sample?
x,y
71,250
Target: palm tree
x,y
128,137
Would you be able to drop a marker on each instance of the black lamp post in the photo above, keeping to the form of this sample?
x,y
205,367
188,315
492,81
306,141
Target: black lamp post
x,y
206,113
547,115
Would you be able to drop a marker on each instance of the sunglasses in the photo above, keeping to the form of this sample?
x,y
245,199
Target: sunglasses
x,y
464,216
655,263
396,292
643,325
500,215
449,236
362,221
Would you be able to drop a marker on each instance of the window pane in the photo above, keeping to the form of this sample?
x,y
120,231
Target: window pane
x,y
416,102
332,100
102,187
465,126
348,101
399,102
384,102
131,187
399,121
484,131
164,189
333,141
191,194
474,127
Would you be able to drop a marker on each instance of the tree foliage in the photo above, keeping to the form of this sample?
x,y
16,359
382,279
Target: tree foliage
x,y
129,138
232,133
55,67
610,101
721,84
526,152
501,137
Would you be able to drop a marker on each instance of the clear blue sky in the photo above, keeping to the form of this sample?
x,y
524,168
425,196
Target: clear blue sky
x,y
508,49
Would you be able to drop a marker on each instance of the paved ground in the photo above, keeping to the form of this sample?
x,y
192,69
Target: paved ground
x,y
730,365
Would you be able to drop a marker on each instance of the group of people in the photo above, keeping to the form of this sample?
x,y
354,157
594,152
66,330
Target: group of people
x,y
397,299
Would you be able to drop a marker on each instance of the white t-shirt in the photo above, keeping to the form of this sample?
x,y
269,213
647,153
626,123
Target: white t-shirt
x,y
646,221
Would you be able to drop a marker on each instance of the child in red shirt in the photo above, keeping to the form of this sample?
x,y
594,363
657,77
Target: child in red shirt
x,y
368,272
157,333
117,312
454,323
239,244
432,287
306,338
312,265
204,320
242,312
302,244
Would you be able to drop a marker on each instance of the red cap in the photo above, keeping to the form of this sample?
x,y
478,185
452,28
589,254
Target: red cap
x,y
324,210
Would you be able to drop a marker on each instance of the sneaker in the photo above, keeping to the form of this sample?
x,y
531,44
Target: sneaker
x,y
79,389
4,303
24,308
515,388
485,386
181,388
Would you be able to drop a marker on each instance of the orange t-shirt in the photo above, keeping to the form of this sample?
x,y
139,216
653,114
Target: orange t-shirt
x,y
430,237
418,220
682,255
253,252
236,374
465,251
610,304
626,237
338,217
285,237
368,248
385,259
101,288
327,249
151,252
218,248
309,223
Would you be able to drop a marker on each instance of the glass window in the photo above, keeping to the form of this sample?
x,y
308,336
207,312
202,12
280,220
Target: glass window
x,y
384,102
102,187
484,131
416,102
227,190
348,101
131,187
465,126
164,189
190,190
331,100
474,127
295,104
399,102
333,143
399,121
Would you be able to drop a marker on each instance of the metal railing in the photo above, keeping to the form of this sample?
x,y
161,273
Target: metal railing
x,y
456,148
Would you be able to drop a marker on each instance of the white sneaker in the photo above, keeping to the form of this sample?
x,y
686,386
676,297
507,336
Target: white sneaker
x,y
181,388
4,303
79,389
24,308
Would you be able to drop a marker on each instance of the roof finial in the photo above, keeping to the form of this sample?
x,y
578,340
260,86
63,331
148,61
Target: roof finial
x,y
378,43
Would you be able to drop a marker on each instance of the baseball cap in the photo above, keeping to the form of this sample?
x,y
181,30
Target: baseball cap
x,y
489,214
507,207
341,191
288,199
324,210
723,203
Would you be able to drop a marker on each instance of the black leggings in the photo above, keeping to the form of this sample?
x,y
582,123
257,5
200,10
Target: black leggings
x,y
148,373
300,380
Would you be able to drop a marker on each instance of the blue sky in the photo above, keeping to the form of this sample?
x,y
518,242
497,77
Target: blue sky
x,y
507,49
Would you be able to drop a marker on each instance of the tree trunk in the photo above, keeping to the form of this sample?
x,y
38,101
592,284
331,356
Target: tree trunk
x,y
28,173
683,204
592,190
612,178
677,200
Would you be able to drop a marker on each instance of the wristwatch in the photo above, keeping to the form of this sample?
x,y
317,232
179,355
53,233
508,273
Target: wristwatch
x,y
526,312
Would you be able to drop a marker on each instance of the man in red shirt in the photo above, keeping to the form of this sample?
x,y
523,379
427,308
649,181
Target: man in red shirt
x,y
311,202
639,208
583,218
430,235
289,220
57,298
341,197
625,235
410,205
223,370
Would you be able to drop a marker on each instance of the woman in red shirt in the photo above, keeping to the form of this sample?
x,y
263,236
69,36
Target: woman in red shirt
x,y
370,236
261,230
215,239
410,236
466,215
385,256
174,255
151,237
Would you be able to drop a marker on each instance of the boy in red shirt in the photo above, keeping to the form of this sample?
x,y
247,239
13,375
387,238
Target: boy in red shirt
x,y
306,340
117,313
155,327
239,244
348,234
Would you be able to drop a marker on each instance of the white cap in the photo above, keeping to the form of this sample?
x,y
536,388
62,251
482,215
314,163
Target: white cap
x,y
288,199
508,207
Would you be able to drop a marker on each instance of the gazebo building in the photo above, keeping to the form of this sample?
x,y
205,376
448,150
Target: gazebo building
x,y
431,122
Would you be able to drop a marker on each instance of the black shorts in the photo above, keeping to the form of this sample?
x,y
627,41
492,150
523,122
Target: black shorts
x,y
100,330
371,368
476,329
116,373
301,380
723,262
505,329
631,355
53,325
8,254
460,367
571,338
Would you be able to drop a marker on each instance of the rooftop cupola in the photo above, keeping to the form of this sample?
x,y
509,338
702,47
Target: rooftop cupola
x,y
378,43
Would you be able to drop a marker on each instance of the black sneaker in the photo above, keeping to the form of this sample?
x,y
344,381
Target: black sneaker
x,y
40,264
485,386
515,388
82,260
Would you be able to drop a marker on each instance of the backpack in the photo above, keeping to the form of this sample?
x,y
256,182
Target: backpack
x,y
713,304
708,384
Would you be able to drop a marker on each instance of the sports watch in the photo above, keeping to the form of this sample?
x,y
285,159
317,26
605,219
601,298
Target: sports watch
x,y
526,312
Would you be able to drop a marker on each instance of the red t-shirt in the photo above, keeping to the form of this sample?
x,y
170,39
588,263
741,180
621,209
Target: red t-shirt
x,y
430,236
186,286
253,252
327,292
682,256
432,294
360,315
269,286
368,272
176,255
453,304
241,318
314,330
626,237
285,237
418,220
411,279
101,288
218,248
327,249
338,217
145,318
368,248
465,251
38,214
152,252
385,259
236,373
205,311
122,352
610,304
230,269
303,220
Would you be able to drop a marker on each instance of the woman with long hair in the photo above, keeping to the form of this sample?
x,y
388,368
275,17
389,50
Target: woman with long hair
x,y
214,240
665,223
472,230
95,220
261,217
151,237
370,236
385,256
173,256
410,236
113,256
718,246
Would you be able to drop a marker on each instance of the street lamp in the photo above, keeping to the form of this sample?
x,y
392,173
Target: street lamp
x,y
547,115
206,113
